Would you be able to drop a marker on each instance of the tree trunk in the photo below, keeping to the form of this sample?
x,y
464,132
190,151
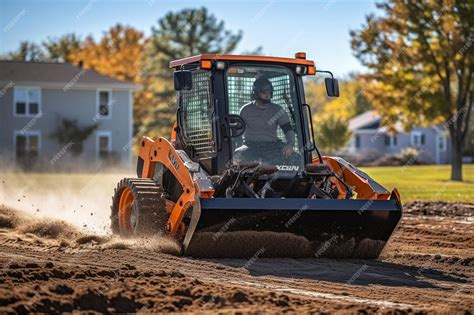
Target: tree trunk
x,y
456,157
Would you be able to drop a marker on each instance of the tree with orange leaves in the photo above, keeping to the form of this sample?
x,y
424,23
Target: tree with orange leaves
x,y
117,54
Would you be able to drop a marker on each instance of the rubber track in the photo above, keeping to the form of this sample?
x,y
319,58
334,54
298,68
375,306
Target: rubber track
x,y
150,200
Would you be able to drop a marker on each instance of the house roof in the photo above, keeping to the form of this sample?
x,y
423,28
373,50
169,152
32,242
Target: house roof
x,y
365,119
48,73
371,119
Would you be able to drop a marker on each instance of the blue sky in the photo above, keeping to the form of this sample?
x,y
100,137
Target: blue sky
x,y
321,28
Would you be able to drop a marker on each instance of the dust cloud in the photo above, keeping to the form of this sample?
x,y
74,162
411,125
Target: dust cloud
x,y
83,200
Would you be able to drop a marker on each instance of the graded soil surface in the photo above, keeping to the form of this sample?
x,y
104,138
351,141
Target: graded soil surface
x,y
51,266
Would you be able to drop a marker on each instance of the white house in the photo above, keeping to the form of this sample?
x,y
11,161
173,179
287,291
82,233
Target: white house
x,y
369,137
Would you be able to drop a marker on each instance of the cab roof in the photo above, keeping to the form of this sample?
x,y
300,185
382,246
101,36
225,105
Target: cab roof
x,y
219,57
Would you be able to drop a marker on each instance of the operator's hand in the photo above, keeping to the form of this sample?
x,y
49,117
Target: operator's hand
x,y
287,151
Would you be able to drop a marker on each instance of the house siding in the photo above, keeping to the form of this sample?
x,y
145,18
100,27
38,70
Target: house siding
x,y
373,143
57,104
445,157
428,149
370,142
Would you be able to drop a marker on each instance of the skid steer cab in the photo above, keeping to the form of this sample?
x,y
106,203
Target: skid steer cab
x,y
241,171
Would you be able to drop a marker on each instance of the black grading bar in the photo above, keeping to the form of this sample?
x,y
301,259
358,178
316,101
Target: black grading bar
x,y
295,203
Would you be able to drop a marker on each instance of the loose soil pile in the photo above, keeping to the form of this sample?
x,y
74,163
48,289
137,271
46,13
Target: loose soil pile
x,y
443,209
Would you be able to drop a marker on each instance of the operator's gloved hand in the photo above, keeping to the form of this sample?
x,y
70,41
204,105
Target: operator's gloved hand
x,y
287,151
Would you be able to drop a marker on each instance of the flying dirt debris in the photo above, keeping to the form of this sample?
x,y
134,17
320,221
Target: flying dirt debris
x,y
238,174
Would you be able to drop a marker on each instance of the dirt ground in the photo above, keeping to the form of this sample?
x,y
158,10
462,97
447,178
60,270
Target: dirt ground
x,y
51,266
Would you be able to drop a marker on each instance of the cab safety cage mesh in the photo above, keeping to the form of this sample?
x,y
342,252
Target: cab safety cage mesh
x,y
196,115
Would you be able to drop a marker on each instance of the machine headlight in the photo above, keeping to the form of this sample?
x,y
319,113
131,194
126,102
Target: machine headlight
x,y
301,70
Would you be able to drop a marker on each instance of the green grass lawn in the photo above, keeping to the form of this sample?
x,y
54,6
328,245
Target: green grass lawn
x,y
414,183
430,182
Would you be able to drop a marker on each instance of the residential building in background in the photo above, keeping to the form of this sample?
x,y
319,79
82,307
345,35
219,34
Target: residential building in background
x,y
37,101
369,137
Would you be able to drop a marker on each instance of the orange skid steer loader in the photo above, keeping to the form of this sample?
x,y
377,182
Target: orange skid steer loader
x,y
241,174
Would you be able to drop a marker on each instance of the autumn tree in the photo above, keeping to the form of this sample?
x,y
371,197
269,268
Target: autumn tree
x,y
117,54
331,115
469,149
332,134
190,32
420,60
27,51
52,50
315,94
178,34
62,49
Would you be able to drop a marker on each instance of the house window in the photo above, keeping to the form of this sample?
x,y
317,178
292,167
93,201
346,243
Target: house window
x,y
357,141
27,101
390,140
27,145
442,143
417,138
104,104
104,144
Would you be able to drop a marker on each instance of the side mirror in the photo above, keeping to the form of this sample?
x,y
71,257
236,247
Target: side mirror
x,y
183,80
332,87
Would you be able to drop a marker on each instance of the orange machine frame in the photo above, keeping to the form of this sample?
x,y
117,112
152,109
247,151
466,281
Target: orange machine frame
x,y
162,151
358,184
219,57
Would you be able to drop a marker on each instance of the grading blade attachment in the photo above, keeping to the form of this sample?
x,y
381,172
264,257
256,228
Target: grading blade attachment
x,y
292,227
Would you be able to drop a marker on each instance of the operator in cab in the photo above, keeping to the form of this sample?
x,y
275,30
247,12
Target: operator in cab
x,y
262,118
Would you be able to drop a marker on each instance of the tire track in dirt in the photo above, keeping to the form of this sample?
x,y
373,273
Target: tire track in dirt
x,y
218,274
202,275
